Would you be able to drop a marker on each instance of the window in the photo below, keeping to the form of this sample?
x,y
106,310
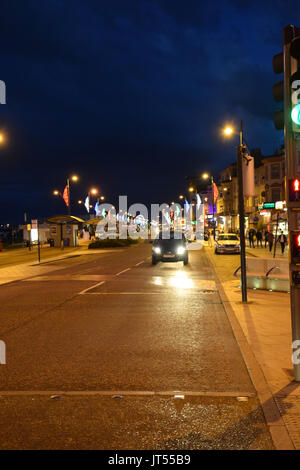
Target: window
x,y
275,171
276,194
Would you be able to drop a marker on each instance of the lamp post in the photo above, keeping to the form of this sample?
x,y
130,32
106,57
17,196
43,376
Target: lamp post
x,y
92,192
205,176
73,178
58,193
239,155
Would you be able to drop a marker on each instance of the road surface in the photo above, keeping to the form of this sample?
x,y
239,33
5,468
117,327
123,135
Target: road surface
x,y
97,350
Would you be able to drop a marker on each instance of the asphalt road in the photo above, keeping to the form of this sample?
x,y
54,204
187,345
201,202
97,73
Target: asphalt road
x,y
97,350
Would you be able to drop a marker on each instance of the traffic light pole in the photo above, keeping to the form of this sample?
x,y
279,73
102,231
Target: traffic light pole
x,y
292,171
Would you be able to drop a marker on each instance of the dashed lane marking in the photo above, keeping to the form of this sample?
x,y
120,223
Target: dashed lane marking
x,y
121,272
92,287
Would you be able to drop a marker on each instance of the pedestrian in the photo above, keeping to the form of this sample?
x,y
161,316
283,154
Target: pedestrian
x,y
282,240
259,238
270,240
253,237
266,237
250,236
210,238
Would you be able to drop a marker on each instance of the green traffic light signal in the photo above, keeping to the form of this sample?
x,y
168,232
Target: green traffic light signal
x,y
296,114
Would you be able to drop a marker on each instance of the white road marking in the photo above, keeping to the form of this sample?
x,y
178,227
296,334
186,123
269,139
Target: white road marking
x,y
138,264
124,271
127,293
92,287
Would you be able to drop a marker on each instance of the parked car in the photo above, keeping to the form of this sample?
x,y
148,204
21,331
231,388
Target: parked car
x,y
227,243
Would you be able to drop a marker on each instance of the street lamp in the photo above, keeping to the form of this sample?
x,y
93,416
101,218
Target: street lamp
x,y
73,178
227,131
239,155
58,193
2,138
206,176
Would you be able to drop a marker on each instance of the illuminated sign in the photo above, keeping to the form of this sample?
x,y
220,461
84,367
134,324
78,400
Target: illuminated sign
x,y
269,205
279,205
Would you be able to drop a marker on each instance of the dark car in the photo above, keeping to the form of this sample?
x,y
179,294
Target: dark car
x,y
170,250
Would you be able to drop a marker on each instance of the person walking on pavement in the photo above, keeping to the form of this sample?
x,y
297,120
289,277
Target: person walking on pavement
x,y
259,238
282,241
266,237
253,237
250,236
270,240
210,238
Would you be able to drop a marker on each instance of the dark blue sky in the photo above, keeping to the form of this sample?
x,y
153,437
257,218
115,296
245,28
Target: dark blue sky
x,y
131,95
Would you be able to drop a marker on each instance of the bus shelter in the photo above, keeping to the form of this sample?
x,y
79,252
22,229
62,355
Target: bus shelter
x,y
64,230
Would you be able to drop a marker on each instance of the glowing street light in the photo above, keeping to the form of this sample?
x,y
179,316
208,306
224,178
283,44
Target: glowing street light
x,y
2,138
181,196
191,189
93,191
227,131
205,176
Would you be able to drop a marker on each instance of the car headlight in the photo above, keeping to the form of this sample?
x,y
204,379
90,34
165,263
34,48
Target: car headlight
x,y
157,250
180,250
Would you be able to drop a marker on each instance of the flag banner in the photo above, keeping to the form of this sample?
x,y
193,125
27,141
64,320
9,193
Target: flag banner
x,y
96,208
87,203
187,206
248,176
198,198
215,192
66,196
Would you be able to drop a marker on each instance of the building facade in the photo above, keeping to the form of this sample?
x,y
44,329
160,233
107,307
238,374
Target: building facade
x,y
269,188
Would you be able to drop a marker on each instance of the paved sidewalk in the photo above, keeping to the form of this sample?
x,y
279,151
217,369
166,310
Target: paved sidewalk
x,y
265,253
31,268
266,334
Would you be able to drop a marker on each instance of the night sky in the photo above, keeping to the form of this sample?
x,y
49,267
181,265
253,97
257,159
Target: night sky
x,y
131,95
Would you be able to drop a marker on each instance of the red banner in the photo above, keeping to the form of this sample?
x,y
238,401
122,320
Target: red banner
x,y
66,196
215,192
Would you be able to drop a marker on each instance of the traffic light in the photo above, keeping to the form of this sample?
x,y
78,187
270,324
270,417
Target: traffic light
x,y
295,84
288,90
278,91
294,190
295,247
